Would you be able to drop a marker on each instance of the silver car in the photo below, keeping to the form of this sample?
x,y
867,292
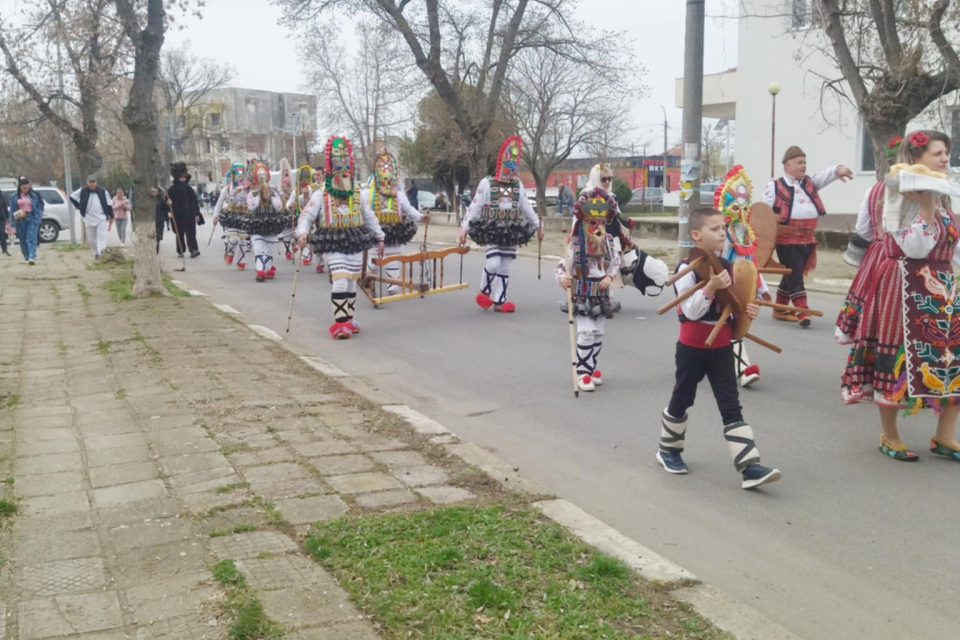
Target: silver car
x,y
56,214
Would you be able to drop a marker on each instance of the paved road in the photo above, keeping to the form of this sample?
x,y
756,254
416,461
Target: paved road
x,y
848,545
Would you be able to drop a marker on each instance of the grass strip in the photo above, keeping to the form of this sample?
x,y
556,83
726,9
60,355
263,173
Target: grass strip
x,y
494,572
249,621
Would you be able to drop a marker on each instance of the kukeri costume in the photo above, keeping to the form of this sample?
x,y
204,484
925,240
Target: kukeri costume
x,y
297,201
500,218
286,194
397,217
231,207
798,205
346,228
265,220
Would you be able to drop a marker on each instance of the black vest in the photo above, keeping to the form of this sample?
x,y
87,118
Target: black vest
x,y
85,198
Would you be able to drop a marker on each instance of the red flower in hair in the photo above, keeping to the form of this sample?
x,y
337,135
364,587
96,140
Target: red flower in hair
x,y
894,141
919,139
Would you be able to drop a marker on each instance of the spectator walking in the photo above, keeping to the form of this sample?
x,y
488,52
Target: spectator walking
x,y
26,210
413,195
186,212
96,212
4,225
564,200
162,213
121,210
441,204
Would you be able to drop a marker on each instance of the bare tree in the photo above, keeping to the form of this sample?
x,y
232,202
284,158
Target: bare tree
x,y
367,95
185,80
29,145
894,59
144,27
454,45
94,46
561,104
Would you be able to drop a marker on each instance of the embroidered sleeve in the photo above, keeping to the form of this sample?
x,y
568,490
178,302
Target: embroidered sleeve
x,y
769,193
697,305
527,209
823,178
561,269
310,213
917,240
480,198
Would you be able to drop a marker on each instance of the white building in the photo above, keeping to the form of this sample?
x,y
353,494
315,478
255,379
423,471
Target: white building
x,y
779,41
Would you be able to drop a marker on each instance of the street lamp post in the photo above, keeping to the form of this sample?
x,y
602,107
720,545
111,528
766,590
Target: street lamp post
x,y
774,89
664,185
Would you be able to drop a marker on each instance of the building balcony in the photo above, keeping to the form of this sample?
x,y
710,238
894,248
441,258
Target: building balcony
x,y
719,95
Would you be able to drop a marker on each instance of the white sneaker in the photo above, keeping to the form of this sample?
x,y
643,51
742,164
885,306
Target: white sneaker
x,y
393,290
585,383
597,379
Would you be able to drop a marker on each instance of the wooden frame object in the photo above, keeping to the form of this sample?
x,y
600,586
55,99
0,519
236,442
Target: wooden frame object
x,y
409,288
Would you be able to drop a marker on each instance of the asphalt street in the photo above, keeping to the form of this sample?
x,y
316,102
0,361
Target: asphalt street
x,y
849,544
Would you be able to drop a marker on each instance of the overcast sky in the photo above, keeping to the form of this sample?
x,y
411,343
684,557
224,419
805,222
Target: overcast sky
x,y
231,34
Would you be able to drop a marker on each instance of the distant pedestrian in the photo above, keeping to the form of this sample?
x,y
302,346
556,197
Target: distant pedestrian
x,y
96,212
565,200
121,209
4,225
413,195
186,212
26,210
162,213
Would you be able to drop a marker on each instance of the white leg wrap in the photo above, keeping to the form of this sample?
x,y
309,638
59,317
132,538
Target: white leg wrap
x,y
743,448
673,432
740,356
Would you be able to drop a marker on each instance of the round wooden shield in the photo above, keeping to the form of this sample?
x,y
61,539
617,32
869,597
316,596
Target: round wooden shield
x,y
710,265
745,282
764,222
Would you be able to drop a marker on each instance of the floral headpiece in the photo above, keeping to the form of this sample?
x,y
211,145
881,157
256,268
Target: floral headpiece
x,y
733,199
918,141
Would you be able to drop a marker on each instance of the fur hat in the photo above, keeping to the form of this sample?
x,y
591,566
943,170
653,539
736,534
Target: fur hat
x,y
793,152
178,169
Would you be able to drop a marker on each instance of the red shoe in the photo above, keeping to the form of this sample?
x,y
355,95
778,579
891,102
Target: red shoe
x,y
261,276
354,327
340,331
289,256
307,262
228,258
750,375
484,301
271,273
585,383
506,307
320,268
241,265
596,377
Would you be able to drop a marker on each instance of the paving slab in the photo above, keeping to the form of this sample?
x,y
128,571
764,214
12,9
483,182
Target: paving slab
x,y
147,565
51,463
312,509
421,476
251,545
342,465
102,443
139,511
118,456
201,481
44,447
317,448
44,525
62,546
42,435
363,482
308,605
69,615
445,494
389,498
63,576
150,533
123,473
279,572
57,504
193,462
48,483
131,492
344,631
169,598
397,459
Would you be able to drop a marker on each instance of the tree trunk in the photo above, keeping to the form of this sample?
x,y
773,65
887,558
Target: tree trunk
x,y
881,132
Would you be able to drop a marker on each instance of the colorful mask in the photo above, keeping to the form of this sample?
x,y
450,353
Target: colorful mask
x,y
236,173
733,199
304,179
261,175
339,167
592,211
508,162
385,175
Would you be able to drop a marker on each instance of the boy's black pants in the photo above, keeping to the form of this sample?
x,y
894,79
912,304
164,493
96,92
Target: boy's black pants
x,y
718,366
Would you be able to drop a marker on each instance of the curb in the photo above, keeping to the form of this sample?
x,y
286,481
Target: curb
x,y
724,611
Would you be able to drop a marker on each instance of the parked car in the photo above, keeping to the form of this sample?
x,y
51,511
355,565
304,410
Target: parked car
x,y
426,201
706,192
654,195
56,214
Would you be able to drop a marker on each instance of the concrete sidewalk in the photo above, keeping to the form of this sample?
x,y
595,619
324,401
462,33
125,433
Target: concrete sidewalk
x,y
145,440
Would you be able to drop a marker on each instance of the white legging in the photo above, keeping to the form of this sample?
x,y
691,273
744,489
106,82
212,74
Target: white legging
x,y
392,270
496,272
262,250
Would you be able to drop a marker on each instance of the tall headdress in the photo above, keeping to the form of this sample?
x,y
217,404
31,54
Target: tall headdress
x,y
508,161
304,180
339,167
733,199
178,169
235,174
261,174
385,174
251,170
286,180
592,210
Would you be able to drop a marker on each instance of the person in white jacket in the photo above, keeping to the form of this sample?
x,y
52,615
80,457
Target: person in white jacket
x,y
397,217
500,218
230,206
347,228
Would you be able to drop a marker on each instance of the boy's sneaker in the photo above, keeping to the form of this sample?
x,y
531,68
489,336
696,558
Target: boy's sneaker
x,y
673,463
757,474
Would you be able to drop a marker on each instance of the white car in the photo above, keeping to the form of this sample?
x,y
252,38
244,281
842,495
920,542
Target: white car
x,y
56,213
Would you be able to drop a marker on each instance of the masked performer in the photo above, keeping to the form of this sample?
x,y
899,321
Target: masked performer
x,y
298,200
231,207
500,218
264,221
347,228
286,193
590,263
795,198
396,216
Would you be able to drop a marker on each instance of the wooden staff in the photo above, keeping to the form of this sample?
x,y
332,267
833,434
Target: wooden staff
x,y
783,271
764,343
211,232
786,307
683,296
573,340
716,329
539,247
679,274
423,261
296,276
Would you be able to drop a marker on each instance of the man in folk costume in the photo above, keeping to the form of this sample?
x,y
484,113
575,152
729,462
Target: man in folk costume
x,y
298,201
264,222
500,218
590,264
347,228
733,199
397,217
795,198
230,208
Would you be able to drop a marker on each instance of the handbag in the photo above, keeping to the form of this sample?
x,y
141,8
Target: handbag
x,y
19,215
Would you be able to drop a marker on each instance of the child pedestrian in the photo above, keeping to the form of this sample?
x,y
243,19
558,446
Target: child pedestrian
x,y
698,316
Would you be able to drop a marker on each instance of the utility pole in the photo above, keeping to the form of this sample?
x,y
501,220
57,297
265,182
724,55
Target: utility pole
x,y
692,122
664,184
67,177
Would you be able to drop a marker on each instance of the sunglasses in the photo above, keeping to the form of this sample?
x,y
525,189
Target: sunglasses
x,y
606,179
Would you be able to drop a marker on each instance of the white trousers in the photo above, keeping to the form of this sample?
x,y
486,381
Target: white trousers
x,y
97,236
496,273
590,333
392,270
262,249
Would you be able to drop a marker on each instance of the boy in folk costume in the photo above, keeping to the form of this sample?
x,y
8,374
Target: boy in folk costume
x,y
500,218
795,198
264,222
589,265
230,208
397,217
347,228
695,359
297,201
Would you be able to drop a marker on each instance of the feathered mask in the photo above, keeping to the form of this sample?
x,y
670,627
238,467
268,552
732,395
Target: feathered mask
x,y
385,174
339,167
508,161
733,199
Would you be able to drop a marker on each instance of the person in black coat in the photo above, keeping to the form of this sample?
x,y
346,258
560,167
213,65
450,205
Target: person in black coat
x,y
413,195
186,212
4,216
162,212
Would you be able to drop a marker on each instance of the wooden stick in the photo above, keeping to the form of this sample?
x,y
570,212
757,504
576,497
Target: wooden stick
x,y
764,343
716,329
686,294
573,341
679,274
296,276
776,270
786,307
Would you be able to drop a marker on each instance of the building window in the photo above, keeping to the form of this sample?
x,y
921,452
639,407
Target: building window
x,y
252,109
209,145
214,119
868,162
224,146
803,14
